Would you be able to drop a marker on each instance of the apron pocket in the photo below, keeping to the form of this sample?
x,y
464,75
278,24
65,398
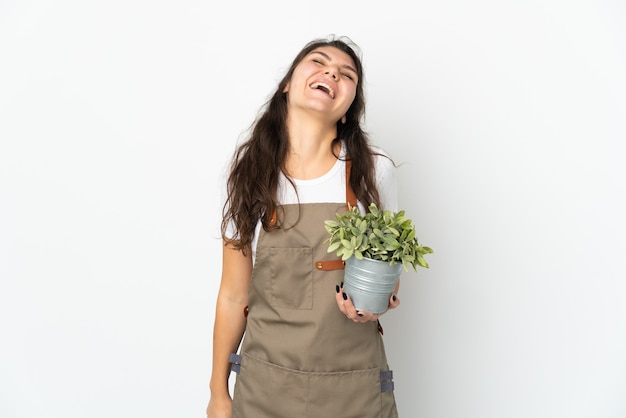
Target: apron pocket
x,y
266,390
291,277
352,394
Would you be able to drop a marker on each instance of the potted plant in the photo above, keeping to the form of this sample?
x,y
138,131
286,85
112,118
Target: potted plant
x,y
375,247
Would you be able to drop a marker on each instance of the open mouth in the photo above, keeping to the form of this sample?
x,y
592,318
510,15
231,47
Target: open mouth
x,y
324,87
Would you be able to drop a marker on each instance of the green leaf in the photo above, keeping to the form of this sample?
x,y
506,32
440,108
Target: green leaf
x,y
334,246
393,231
378,233
421,261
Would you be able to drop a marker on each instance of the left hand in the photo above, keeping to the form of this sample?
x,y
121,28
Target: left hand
x,y
347,308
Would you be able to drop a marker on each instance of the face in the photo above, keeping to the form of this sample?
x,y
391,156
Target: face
x,y
325,81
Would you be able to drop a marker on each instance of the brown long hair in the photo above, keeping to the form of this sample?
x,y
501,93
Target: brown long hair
x,y
257,163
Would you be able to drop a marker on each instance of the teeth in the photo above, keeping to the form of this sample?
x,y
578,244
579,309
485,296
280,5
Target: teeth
x,y
324,87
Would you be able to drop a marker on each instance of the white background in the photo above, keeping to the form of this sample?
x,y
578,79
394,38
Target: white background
x,y
117,119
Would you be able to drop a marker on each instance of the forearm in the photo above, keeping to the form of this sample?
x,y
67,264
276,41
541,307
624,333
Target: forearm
x,y
228,330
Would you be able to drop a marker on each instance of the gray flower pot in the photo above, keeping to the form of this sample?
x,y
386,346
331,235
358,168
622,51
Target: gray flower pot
x,y
370,283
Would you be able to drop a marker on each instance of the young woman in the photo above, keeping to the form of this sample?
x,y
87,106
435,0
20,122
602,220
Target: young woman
x,y
306,351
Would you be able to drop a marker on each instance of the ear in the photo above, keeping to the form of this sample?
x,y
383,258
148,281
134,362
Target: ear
x,y
343,119
286,89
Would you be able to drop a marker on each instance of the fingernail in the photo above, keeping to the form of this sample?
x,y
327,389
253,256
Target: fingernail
x,y
341,284
359,314
393,297
345,297
337,288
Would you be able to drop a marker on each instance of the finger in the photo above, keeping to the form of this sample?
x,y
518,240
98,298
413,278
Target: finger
x,y
347,303
350,310
340,300
367,316
394,301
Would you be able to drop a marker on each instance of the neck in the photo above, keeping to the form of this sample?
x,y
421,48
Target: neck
x,y
310,154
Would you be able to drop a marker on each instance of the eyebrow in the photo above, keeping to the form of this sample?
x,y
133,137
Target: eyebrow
x,y
325,55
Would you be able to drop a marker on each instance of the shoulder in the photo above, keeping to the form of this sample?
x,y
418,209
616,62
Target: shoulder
x,y
379,152
382,160
386,181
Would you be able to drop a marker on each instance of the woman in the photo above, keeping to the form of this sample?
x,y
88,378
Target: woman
x,y
307,352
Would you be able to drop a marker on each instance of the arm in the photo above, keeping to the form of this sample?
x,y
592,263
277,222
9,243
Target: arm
x,y
229,327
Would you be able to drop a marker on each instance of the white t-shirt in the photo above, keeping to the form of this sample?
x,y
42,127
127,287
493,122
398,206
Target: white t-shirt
x,y
331,187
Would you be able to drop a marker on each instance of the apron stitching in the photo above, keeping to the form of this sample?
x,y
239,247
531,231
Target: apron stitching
x,y
310,373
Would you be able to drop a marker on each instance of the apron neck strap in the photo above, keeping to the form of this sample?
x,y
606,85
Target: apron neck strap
x,y
350,196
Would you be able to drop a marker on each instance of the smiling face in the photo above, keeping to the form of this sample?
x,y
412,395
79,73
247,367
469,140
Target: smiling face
x,y
325,81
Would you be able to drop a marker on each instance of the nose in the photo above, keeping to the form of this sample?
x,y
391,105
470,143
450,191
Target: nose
x,y
332,73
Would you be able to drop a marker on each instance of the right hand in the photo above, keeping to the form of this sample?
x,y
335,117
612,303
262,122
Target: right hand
x,y
220,408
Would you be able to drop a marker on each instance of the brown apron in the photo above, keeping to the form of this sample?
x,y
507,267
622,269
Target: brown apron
x,y
301,357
